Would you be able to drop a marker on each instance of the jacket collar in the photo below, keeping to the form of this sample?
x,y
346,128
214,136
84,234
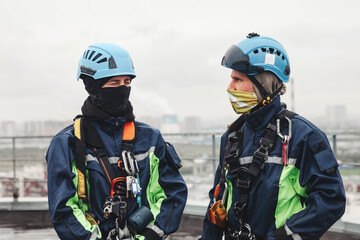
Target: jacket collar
x,y
259,119
112,124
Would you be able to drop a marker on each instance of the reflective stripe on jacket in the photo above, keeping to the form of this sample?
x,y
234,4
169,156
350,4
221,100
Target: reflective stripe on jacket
x,y
163,188
305,197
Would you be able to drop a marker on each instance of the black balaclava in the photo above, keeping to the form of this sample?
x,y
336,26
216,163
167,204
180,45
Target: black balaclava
x,y
112,100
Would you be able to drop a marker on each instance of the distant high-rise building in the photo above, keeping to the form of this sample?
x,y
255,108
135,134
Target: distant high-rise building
x,y
170,124
53,127
33,128
336,116
7,129
152,121
192,124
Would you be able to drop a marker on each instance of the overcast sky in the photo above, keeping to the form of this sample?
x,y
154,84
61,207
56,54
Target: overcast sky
x,y
176,47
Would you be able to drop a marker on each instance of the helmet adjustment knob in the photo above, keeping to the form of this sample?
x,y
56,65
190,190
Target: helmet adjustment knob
x,y
253,34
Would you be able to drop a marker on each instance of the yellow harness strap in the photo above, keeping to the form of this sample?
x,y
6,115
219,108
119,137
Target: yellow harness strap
x,y
77,131
81,177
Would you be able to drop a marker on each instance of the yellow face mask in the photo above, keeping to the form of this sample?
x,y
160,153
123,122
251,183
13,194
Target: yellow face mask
x,y
242,102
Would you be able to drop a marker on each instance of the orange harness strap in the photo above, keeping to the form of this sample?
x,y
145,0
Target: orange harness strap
x,y
129,131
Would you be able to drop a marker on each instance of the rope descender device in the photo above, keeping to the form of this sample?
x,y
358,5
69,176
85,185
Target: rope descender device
x,y
217,212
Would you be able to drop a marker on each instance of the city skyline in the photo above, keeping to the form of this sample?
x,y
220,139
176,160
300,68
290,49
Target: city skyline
x,y
176,56
171,123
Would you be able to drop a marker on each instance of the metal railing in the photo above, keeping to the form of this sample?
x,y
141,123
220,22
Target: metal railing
x,y
19,151
10,146
14,150
195,150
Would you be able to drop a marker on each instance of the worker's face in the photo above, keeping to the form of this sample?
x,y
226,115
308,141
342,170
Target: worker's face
x,y
240,82
118,81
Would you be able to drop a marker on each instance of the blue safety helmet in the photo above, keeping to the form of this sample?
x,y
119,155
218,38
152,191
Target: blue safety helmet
x,y
256,54
102,60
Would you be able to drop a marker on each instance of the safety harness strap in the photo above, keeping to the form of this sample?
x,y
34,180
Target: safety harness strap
x,y
83,128
80,158
129,132
234,147
266,145
246,177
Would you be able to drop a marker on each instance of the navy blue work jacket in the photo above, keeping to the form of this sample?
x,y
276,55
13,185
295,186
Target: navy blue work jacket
x,y
302,199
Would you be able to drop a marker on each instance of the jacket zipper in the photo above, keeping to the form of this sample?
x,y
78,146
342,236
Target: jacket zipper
x,y
254,141
68,229
171,213
116,122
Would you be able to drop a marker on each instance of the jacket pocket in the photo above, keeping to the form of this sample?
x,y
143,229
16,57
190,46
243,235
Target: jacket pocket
x,y
171,213
171,156
68,229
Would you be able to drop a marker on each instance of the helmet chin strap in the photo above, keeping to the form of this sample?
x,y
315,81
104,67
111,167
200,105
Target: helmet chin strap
x,y
266,96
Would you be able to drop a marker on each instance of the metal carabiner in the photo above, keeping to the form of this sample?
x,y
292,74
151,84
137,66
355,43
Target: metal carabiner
x,y
131,162
125,159
251,236
278,130
235,234
224,196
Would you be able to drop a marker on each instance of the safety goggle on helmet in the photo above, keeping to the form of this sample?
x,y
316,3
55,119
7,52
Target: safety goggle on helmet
x,y
102,60
256,54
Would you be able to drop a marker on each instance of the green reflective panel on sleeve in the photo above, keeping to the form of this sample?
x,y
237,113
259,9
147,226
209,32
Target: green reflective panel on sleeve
x,y
154,192
289,195
75,203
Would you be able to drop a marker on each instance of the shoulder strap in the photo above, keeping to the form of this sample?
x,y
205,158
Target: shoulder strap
x,y
267,143
94,141
129,131
233,150
80,157
286,113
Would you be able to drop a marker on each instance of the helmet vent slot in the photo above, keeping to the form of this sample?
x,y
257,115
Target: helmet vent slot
x,y
263,49
97,56
283,58
87,52
256,51
278,53
271,50
91,54
102,60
